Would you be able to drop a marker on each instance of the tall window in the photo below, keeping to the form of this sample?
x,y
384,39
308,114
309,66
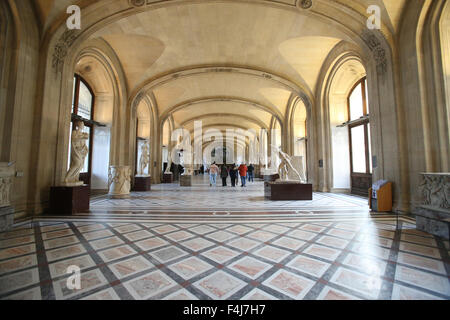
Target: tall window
x,y
359,133
83,109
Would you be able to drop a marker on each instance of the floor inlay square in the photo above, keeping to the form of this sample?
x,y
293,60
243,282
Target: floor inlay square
x,y
262,235
371,266
404,293
250,267
106,243
334,294
180,295
190,268
202,229
322,252
421,262
220,254
258,295
179,236
289,243
19,280
65,252
302,235
17,251
244,244
342,233
419,240
221,236
168,254
107,295
239,229
60,242
130,267
310,266
220,285
197,244
149,285
165,229
56,234
272,253
333,242
138,235
17,264
367,285
128,228
289,284
276,229
14,242
91,227
88,280
419,249
423,280
94,235
61,268
151,243
312,228
116,253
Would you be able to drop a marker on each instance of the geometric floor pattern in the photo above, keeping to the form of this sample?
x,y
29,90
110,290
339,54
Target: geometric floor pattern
x,y
223,243
359,259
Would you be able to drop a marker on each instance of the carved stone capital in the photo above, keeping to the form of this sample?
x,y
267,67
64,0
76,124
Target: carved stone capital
x,y
379,53
61,48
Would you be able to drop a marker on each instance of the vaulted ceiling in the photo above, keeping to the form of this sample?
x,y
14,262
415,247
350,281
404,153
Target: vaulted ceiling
x,y
265,41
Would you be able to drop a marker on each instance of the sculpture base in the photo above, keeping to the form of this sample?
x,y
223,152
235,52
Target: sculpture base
x,y
185,181
119,196
271,177
69,200
6,218
168,178
287,190
435,222
142,183
72,184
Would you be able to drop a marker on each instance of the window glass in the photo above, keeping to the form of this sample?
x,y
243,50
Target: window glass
x,y
358,149
86,160
356,103
370,148
74,92
85,102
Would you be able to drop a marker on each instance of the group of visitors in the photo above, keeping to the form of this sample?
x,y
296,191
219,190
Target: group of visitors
x,y
234,172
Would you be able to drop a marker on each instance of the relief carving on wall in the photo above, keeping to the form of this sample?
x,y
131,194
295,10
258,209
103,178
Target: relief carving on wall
x,y
379,53
435,190
6,174
61,48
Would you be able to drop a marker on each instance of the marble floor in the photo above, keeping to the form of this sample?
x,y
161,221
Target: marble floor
x,y
193,246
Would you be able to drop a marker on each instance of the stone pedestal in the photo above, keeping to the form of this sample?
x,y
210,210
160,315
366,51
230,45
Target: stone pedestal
x,y
168,178
185,180
6,218
287,190
69,200
271,177
433,215
119,182
142,183
7,172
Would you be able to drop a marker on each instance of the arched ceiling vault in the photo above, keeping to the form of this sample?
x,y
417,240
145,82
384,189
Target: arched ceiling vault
x,y
246,58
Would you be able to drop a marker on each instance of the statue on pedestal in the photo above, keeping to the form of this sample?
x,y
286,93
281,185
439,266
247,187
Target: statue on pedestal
x,y
286,169
144,160
169,163
78,153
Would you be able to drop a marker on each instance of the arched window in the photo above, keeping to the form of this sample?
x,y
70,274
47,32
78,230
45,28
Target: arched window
x,y
83,102
359,134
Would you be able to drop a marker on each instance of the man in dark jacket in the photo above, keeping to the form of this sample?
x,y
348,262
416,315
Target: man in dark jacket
x,y
233,175
224,175
251,170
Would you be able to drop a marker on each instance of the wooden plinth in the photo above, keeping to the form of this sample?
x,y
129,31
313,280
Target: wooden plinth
x,y
142,183
287,191
167,178
69,200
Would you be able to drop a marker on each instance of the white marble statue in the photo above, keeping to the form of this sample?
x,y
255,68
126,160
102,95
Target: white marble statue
x,y
287,170
78,153
7,171
169,162
144,160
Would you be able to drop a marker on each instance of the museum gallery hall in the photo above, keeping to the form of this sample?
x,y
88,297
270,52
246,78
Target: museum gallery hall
x,y
224,150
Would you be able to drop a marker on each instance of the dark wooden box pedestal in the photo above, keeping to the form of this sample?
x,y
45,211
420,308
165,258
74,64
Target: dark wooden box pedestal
x,y
69,200
271,177
168,178
287,191
142,183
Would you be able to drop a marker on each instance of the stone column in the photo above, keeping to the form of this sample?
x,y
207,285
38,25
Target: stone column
x,y
7,172
119,182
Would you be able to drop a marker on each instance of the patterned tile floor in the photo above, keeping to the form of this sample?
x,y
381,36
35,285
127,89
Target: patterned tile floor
x,y
236,257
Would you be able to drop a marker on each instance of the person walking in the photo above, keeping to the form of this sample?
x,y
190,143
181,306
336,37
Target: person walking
x,y
233,175
224,175
243,173
251,172
213,172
